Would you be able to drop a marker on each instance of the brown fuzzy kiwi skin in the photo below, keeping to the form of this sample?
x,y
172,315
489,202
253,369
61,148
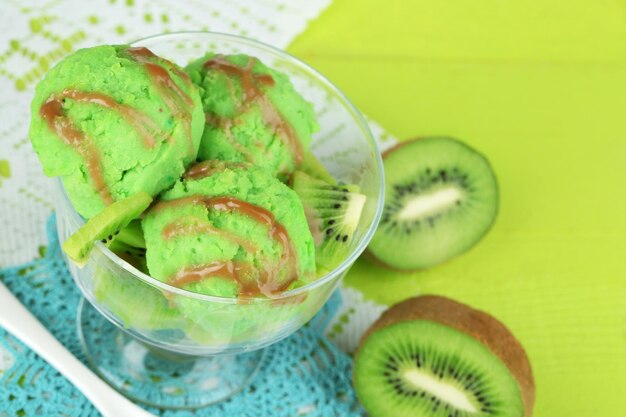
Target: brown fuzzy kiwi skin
x,y
397,146
475,323
367,254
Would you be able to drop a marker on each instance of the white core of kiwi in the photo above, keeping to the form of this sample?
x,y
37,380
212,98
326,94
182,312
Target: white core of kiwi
x,y
353,214
425,205
446,392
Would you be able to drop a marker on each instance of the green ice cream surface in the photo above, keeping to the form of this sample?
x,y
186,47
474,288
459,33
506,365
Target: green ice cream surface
x,y
238,132
119,147
240,238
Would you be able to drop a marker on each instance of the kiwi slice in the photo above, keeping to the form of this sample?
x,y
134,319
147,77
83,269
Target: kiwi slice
x,y
333,213
137,304
132,235
105,226
314,167
441,198
135,256
431,356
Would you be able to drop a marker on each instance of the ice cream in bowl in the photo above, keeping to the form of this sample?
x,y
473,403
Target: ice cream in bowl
x,y
212,192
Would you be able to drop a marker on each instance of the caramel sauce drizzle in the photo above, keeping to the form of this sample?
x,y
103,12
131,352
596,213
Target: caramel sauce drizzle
x,y
181,227
207,168
145,54
265,283
240,272
144,125
201,170
177,101
232,270
54,115
253,94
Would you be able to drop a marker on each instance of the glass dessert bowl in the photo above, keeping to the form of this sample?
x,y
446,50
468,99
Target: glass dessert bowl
x,y
172,348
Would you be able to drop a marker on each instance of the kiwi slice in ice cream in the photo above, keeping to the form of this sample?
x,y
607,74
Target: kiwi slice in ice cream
x,y
132,235
136,256
430,356
137,304
333,213
314,167
105,226
441,198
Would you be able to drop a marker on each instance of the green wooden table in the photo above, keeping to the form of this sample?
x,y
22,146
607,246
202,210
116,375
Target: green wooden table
x,y
540,87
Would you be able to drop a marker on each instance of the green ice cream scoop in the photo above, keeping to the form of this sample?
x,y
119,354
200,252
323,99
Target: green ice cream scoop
x,y
229,230
253,113
115,120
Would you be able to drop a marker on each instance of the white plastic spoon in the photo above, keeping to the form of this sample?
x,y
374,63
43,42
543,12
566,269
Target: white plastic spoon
x,y
18,321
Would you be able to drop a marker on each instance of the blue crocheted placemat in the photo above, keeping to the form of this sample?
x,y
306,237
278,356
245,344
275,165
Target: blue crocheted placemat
x,y
303,375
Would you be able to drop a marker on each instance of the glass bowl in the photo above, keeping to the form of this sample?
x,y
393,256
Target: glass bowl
x,y
173,348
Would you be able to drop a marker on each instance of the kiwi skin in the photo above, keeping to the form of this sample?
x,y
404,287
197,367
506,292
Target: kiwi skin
x,y
405,142
373,258
475,323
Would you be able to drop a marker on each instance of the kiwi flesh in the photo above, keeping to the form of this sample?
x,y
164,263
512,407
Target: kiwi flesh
x,y
105,226
132,235
441,198
333,213
136,256
430,356
314,167
137,304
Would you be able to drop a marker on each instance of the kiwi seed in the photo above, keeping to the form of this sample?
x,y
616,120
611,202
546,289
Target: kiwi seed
x,y
333,213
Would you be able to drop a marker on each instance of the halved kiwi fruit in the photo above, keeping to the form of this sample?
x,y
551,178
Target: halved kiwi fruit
x,y
441,198
105,226
430,356
333,213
